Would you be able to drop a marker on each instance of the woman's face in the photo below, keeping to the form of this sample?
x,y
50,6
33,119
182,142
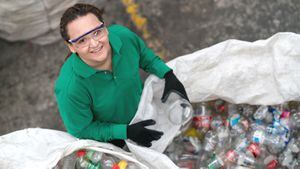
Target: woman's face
x,y
94,48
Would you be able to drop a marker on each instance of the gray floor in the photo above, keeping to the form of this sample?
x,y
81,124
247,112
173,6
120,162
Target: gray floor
x,y
28,71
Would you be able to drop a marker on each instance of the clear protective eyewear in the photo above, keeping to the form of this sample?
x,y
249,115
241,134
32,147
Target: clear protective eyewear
x,y
85,39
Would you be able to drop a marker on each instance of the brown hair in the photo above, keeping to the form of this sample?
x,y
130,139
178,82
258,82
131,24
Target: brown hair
x,y
73,13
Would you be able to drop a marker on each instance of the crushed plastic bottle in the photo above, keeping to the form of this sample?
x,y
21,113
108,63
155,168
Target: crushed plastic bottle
x,y
210,141
83,162
252,136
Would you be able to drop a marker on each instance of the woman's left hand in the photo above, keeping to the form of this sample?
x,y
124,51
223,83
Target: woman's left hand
x,y
172,84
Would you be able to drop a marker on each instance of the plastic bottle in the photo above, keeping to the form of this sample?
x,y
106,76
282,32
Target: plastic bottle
x,y
210,141
253,149
224,139
202,117
246,160
294,122
271,162
220,106
237,128
286,159
191,144
123,164
108,161
83,162
187,161
274,143
180,111
294,145
230,158
262,113
216,163
240,144
247,110
275,112
216,122
94,156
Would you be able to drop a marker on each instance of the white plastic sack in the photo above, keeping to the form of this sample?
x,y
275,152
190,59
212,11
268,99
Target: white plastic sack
x,y
43,148
35,20
263,72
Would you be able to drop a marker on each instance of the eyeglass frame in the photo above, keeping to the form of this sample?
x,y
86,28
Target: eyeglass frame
x,y
73,41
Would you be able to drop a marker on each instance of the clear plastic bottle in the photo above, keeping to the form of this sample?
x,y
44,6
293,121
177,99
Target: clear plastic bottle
x,y
180,111
83,162
246,160
210,141
286,159
230,158
274,143
237,128
276,113
202,117
247,110
215,162
294,145
94,156
262,113
240,144
108,161
216,122
224,139
294,122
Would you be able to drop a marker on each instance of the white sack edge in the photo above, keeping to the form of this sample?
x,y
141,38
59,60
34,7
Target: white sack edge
x,y
264,72
43,148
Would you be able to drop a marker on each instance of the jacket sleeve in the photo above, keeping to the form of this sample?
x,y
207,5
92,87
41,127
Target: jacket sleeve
x,y
78,119
149,61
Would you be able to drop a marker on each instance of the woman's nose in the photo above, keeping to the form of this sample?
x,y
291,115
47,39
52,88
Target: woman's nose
x,y
93,43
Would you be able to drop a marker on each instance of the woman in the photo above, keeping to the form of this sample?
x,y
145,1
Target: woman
x,y
99,88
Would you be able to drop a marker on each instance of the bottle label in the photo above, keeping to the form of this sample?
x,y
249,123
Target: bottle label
x,y
254,149
258,136
231,155
234,119
202,121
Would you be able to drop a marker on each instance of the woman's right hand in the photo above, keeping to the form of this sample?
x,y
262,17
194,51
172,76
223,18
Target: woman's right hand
x,y
141,135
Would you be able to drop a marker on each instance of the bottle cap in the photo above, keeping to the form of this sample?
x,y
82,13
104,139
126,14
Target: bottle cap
x,y
80,153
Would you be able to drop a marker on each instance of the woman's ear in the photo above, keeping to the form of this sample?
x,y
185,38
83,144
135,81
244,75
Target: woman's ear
x,y
71,47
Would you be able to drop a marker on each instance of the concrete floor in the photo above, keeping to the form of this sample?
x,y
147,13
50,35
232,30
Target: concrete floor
x,y
28,71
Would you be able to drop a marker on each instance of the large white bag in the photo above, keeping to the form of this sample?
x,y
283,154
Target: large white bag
x,y
34,20
43,148
264,72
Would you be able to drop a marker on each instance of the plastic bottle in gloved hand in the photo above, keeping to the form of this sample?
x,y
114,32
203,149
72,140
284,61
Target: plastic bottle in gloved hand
x,y
138,133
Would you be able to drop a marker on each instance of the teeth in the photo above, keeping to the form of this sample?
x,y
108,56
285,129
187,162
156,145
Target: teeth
x,y
95,51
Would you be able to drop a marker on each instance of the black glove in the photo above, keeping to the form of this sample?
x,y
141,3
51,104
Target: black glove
x,y
141,135
118,142
172,84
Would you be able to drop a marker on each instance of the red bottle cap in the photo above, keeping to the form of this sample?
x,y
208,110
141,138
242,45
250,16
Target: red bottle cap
x,y
115,166
80,153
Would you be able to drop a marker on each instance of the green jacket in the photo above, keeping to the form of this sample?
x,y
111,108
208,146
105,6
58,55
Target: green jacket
x,y
99,104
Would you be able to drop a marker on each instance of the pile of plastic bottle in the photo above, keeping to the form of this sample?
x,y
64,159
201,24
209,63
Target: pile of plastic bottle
x,y
90,159
229,136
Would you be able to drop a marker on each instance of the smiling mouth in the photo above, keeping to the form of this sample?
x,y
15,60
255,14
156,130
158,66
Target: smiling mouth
x,y
97,50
